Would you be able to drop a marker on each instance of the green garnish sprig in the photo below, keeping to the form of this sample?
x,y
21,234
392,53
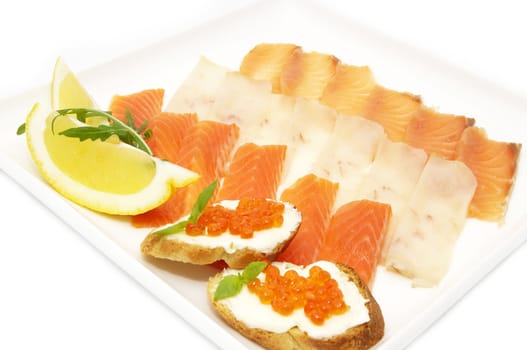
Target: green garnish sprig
x,y
232,285
127,132
197,209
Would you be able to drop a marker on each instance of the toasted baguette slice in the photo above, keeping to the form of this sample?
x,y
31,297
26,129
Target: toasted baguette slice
x,y
362,336
235,251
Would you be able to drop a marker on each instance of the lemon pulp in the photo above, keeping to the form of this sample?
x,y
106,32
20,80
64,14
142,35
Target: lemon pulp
x,y
88,161
71,93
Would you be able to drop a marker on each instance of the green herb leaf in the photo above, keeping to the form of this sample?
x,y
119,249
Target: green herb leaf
x,y
252,270
202,201
200,204
231,285
21,129
173,229
125,131
101,132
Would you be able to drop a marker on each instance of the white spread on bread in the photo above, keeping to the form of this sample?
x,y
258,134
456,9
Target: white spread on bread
x,y
263,241
247,307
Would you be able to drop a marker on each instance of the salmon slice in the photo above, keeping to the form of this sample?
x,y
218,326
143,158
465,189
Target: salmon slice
x,y
206,150
392,109
348,89
494,165
436,132
266,62
254,172
314,198
143,105
307,74
355,236
168,132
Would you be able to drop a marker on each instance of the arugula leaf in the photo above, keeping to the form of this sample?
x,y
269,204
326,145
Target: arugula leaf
x,y
198,207
231,285
127,132
101,132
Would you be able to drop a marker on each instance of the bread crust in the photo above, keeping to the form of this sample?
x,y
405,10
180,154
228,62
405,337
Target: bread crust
x,y
161,247
360,337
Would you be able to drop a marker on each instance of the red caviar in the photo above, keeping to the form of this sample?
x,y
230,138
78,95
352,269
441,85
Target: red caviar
x,y
318,294
251,214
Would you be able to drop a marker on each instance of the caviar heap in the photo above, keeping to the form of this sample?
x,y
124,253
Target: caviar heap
x,y
318,294
251,214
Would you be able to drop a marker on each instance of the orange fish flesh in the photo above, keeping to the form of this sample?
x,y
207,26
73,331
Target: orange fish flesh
x,y
494,165
314,197
266,62
254,172
205,150
355,236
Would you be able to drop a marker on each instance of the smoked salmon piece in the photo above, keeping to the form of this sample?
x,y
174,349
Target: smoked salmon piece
x,y
266,62
254,172
168,132
205,150
355,236
348,89
436,132
314,197
306,74
392,109
143,105
494,165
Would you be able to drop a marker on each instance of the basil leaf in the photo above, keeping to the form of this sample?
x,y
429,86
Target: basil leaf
x,y
172,229
252,270
229,286
202,201
197,209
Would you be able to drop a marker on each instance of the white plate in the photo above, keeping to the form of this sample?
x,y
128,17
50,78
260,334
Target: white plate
x,y
407,311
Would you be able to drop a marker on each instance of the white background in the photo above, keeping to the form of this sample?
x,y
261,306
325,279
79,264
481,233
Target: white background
x,y
77,298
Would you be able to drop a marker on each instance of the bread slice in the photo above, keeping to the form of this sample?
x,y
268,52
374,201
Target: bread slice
x,y
165,248
237,252
359,337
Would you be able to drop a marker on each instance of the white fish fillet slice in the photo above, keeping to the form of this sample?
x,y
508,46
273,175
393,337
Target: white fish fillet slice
x,y
274,130
306,133
347,156
392,179
425,237
244,101
198,92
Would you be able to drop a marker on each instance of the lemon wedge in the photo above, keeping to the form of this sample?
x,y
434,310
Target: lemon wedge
x,y
66,89
105,176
